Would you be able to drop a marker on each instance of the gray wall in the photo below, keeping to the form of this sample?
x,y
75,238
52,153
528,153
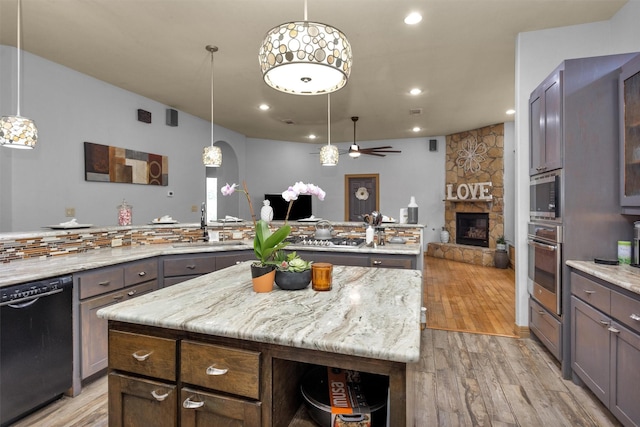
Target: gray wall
x,y
537,54
70,108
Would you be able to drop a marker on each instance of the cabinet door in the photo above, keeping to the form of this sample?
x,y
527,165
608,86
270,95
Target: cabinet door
x,y
200,409
629,95
590,339
545,125
94,330
392,261
625,375
229,259
137,402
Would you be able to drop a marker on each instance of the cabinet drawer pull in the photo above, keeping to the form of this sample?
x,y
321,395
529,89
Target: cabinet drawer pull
x,y
142,273
191,404
105,283
238,262
118,297
604,323
191,266
634,317
614,330
132,293
541,312
376,262
589,292
159,397
212,370
141,357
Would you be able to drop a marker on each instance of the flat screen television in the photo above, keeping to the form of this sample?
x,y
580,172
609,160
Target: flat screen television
x,y
301,208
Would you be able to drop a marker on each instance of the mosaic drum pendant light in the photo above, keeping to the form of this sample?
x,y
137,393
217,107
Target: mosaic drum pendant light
x,y
305,58
212,155
17,131
329,153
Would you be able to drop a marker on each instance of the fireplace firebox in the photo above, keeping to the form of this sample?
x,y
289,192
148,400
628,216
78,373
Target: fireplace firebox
x,y
472,229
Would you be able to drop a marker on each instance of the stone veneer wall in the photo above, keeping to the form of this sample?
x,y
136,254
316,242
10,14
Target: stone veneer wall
x,y
491,169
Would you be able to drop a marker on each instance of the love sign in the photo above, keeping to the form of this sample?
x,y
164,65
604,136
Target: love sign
x,y
473,191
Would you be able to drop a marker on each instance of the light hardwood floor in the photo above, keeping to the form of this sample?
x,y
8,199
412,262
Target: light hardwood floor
x,y
484,378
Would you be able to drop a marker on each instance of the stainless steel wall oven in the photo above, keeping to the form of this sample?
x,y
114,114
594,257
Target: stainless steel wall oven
x,y
545,265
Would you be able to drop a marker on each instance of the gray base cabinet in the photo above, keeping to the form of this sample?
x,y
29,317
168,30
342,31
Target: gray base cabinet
x,y
361,260
605,343
101,288
180,268
546,327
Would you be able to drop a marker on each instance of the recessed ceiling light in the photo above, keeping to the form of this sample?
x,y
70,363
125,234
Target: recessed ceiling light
x,y
413,18
416,129
312,136
415,91
264,107
511,112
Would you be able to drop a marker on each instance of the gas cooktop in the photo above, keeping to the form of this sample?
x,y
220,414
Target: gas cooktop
x,y
342,242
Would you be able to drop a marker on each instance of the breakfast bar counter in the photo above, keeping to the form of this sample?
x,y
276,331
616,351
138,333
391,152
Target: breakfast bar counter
x,y
361,324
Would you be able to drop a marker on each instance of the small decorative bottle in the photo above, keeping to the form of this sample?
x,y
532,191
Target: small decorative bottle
x,y
124,213
412,211
266,213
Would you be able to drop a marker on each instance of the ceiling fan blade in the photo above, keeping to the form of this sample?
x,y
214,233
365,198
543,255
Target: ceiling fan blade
x,y
372,153
377,148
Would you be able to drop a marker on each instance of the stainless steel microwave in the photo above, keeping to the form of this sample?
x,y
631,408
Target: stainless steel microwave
x,y
544,196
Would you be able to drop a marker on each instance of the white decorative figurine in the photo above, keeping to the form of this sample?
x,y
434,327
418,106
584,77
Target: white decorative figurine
x,y
266,213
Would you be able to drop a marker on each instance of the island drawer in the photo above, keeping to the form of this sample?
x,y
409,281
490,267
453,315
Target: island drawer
x,y
143,354
391,262
591,292
141,271
546,327
189,265
221,368
100,281
626,310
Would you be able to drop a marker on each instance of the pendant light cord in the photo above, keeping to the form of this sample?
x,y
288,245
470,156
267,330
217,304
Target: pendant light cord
x,y
328,119
18,46
305,10
212,98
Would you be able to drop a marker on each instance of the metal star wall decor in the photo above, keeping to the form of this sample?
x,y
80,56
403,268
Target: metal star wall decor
x,y
471,155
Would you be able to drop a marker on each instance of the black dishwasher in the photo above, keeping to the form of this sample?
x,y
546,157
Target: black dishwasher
x,y
36,347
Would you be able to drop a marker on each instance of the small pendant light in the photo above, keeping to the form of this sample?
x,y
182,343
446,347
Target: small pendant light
x,y
17,131
329,153
212,155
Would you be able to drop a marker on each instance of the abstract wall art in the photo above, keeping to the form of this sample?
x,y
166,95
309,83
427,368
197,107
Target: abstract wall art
x,y
105,163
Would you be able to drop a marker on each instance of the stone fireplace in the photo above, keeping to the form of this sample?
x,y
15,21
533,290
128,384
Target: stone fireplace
x,y
472,229
472,158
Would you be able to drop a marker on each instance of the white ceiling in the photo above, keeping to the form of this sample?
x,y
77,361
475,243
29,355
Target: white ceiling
x,y
462,55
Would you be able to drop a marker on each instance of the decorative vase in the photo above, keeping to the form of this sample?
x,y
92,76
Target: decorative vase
x,y
293,281
262,278
444,236
266,213
501,259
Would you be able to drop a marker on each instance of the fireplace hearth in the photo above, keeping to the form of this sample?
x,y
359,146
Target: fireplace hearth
x,y
472,229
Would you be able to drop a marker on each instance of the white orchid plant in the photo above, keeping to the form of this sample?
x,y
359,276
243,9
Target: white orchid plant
x,y
265,243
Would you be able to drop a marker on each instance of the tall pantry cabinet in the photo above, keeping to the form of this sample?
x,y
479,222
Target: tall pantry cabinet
x,y
574,119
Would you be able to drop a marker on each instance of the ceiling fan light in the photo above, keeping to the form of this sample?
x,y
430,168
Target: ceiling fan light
x,y
212,156
305,58
18,132
354,151
329,155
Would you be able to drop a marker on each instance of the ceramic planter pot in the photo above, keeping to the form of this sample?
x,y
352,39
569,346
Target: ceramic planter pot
x,y
262,278
293,281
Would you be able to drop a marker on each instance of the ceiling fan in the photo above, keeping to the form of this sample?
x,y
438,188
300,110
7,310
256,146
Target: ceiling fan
x,y
355,150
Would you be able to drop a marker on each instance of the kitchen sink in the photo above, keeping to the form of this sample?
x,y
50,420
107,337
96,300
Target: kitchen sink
x,y
209,244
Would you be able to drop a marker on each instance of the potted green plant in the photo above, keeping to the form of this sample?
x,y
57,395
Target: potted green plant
x,y
501,244
266,243
500,257
292,272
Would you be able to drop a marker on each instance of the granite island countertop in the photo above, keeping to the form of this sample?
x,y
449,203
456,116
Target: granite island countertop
x,y
624,276
36,269
361,316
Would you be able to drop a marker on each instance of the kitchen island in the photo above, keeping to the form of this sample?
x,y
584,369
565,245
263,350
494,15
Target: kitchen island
x,y
264,343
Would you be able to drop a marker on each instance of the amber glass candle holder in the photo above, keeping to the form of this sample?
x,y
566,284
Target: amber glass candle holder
x,y
321,276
